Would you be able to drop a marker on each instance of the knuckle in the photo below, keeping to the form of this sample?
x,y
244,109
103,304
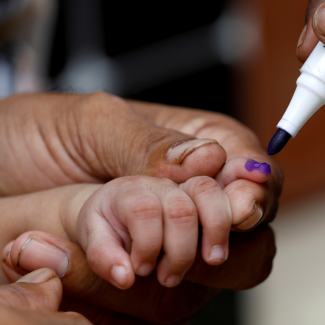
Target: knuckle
x,y
181,261
203,185
14,296
144,208
148,246
104,102
96,252
222,225
182,211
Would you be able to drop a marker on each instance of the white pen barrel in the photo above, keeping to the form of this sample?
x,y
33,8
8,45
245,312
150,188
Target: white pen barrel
x,y
309,95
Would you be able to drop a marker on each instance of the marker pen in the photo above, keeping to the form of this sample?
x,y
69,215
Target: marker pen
x,y
307,99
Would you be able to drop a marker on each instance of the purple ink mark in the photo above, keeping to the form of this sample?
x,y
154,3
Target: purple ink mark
x,y
263,168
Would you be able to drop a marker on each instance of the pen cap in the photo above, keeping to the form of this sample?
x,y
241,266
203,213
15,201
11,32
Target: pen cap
x,y
307,99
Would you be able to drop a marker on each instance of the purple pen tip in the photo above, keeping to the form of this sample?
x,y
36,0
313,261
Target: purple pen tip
x,y
278,141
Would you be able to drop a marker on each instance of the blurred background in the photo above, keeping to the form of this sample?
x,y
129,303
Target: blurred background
x,y
232,56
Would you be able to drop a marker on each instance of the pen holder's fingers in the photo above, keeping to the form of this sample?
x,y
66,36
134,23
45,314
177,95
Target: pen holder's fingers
x,y
313,31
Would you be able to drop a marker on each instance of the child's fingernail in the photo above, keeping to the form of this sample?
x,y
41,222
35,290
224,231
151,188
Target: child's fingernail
x,y
38,276
301,38
319,19
252,220
263,168
173,280
217,254
144,269
179,151
36,254
119,274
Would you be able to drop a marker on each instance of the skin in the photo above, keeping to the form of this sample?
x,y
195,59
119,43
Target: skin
x,y
131,220
35,300
86,290
313,31
76,140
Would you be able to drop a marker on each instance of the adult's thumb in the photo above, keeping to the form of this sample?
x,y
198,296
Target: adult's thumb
x,y
116,141
40,290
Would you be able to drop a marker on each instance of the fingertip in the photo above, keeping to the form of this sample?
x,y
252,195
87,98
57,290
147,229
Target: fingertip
x,y
243,168
112,263
10,273
122,276
5,254
205,160
144,269
252,220
218,254
192,158
248,201
263,170
172,280
308,39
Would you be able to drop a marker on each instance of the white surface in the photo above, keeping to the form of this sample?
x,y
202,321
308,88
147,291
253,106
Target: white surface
x,y
295,291
309,95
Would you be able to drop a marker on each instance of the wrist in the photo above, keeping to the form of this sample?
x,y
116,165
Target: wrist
x,y
71,204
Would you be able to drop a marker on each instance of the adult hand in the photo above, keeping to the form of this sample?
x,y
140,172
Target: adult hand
x,y
314,30
34,299
147,300
49,140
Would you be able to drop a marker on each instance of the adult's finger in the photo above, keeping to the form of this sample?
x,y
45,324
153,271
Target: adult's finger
x,y
35,299
314,30
146,299
96,137
251,253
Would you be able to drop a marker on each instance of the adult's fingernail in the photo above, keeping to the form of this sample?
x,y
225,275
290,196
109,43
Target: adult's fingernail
x,y
36,254
10,272
319,19
173,280
119,274
263,168
217,254
179,151
38,276
6,259
301,38
252,220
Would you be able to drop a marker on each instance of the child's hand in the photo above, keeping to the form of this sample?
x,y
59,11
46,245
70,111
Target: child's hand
x,y
126,224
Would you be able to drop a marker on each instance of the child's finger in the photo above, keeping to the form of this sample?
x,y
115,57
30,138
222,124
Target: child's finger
x,y
140,211
105,249
180,233
127,219
214,214
104,238
248,201
243,168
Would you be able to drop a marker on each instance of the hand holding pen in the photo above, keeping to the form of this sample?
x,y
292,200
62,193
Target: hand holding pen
x,y
310,92
314,30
